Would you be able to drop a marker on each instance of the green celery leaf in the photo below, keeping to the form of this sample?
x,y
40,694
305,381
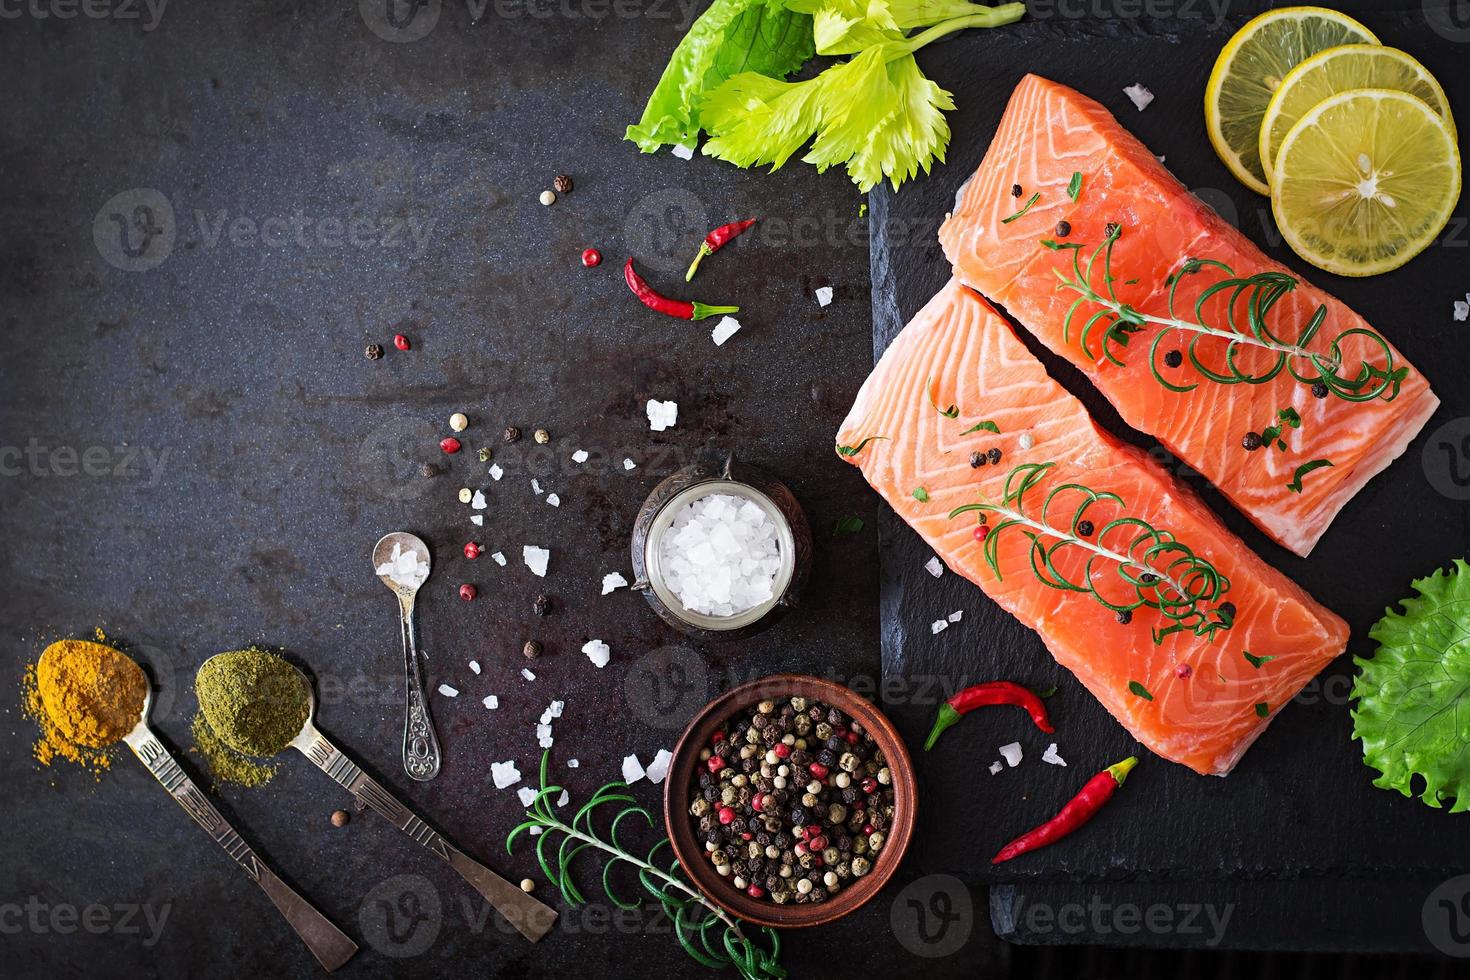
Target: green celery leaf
x,y
848,26
762,37
755,120
1411,693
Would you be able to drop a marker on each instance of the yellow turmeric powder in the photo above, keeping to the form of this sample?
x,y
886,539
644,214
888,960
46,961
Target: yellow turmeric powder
x,y
85,696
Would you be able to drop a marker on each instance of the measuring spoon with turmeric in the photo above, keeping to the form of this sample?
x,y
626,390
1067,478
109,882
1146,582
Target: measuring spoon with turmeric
x,y
97,695
260,704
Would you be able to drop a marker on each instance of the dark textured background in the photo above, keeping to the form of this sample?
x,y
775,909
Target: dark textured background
x,y
271,454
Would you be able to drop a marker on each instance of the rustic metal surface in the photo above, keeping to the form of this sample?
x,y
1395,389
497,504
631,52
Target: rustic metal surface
x,y
198,456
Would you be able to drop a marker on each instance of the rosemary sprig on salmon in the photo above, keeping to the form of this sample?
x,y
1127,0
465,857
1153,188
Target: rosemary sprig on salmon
x,y
1250,297
1152,569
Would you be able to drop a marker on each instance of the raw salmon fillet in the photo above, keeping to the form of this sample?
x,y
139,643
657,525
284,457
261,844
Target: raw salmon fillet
x,y
1204,717
1048,134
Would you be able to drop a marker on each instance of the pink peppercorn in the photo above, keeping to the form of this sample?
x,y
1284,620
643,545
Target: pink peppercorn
x,y
714,763
818,770
1183,670
982,532
755,891
591,257
471,551
400,341
450,445
782,750
467,592
726,814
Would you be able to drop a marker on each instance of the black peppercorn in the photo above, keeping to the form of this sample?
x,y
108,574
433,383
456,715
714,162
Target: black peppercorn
x,y
1174,358
562,184
1016,190
993,456
1148,578
1064,228
1111,229
428,469
374,351
541,605
977,459
1251,442
1085,528
511,434
1319,390
532,649
1227,609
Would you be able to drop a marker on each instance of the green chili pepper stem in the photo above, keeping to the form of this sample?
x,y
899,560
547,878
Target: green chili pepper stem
x,y
1120,771
947,716
704,250
701,311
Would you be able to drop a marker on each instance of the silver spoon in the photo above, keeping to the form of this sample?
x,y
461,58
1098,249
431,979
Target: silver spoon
x,y
327,943
421,756
531,918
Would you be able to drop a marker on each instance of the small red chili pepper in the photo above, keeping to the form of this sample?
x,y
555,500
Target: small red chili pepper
x,y
981,695
1080,809
400,341
467,592
471,550
682,309
591,257
715,241
450,445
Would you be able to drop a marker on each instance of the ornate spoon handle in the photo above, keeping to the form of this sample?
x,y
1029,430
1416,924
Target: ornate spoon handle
x,y
327,943
531,918
421,756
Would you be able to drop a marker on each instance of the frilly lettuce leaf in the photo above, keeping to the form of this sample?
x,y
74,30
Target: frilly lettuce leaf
x,y
733,36
1413,712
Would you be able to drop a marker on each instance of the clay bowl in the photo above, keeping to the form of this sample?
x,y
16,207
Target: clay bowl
x,y
690,849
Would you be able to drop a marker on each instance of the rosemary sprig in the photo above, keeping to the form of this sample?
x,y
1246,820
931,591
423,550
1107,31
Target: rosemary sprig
x,y
1250,296
709,934
1160,572
1295,486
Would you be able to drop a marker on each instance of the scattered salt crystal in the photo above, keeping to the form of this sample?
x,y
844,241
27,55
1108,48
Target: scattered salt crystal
x,y
478,502
683,152
1050,755
938,626
659,767
1462,309
536,559
597,652
934,566
499,557
1027,440
632,769
662,415
478,520
526,673
724,330
1011,753
504,774
564,799
404,568
628,464
536,486
448,692
527,795
573,763
475,666
613,581
543,736
496,472
720,555
957,615
580,456
995,767
824,295
553,500
491,701
535,831
1141,96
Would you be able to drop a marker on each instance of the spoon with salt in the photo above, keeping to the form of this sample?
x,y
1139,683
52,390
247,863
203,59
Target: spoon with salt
x,y
402,562
530,917
327,943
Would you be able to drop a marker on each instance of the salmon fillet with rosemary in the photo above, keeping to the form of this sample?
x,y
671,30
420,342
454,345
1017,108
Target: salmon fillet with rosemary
x,y
1197,338
1188,638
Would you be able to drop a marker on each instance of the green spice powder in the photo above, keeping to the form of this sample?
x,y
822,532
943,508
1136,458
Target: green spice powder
x,y
225,764
253,700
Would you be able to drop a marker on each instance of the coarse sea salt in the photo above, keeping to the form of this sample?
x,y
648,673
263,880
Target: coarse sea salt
x,y
720,555
478,520
536,487
504,774
659,767
526,794
934,566
628,464
475,666
613,581
995,768
447,691
662,415
580,456
496,472
553,500
1050,755
957,615
1462,309
478,500
536,559
683,152
573,763
823,294
1011,752
1140,96
491,701
526,673
597,652
632,769
404,568
499,557
724,330
565,798
938,626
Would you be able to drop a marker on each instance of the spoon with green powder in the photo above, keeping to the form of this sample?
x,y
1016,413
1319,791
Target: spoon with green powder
x,y
330,945
260,704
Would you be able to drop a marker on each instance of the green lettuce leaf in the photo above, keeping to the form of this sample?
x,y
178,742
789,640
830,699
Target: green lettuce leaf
x,y
763,37
1413,712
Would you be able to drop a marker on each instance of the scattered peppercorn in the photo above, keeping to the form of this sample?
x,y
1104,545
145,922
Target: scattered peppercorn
x,y
374,351
466,495
977,459
1319,390
541,605
993,456
511,434
541,436
1016,190
340,818
401,342
1148,578
1111,228
458,422
467,592
982,532
531,650
450,445
1085,528
471,550
1183,670
591,257
527,885
1174,358
547,198
1125,616
484,453
562,184
1227,609
428,470
1251,442
1064,228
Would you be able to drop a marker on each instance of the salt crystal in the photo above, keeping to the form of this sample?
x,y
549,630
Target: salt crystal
x,y
628,464
824,295
1141,96
580,456
683,152
496,472
1462,309
491,701
404,568
527,795
613,581
597,652
1027,440
995,767
543,736
553,500
448,691
478,501
504,774
499,558
536,487
721,555
659,767
724,330
536,559
475,666
535,831
526,673
478,520
1011,753
938,626
564,799
934,566
1050,755
956,616
573,763
662,415
632,770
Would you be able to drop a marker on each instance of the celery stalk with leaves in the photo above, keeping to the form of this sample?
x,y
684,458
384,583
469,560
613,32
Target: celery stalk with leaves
x,y
875,114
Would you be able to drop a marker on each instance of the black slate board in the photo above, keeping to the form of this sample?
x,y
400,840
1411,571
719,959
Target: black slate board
x,y
1301,802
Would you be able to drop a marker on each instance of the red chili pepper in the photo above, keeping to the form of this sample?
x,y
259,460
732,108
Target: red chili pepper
x,y
1078,811
715,241
981,695
679,308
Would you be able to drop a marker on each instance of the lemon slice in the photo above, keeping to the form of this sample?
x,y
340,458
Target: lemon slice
x,y
1365,181
1251,68
1338,70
